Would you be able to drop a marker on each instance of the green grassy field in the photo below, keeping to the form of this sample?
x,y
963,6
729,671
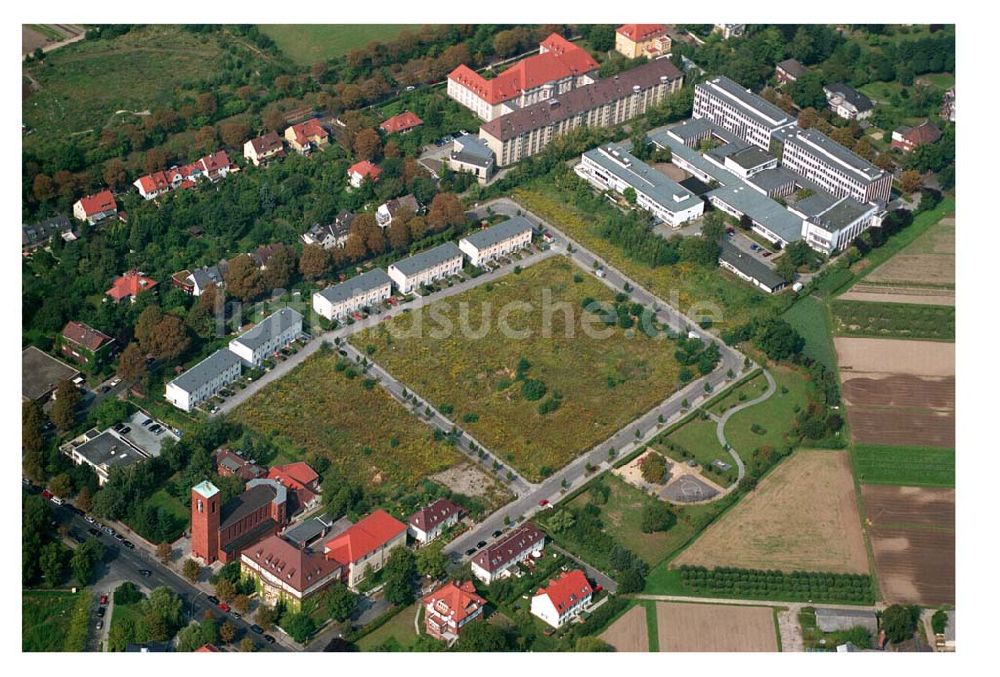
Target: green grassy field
x,y
84,84
307,44
698,437
173,505
685,286
775,415
399,627
747,390
368,436
604,382
894,320
809,317
905,466
54,620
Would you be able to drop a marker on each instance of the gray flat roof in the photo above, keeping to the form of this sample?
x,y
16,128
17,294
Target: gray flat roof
x,y
662,138
692,128
41,373
750,266
616,159
500,232
762,209
728,149
273,325
842,214
110,450
817,141
750,157
365,282
427,258
206,370
815,204
769,179
472,147
753,105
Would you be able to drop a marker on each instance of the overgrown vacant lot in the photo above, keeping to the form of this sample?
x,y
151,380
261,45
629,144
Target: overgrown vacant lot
x,y
307,44
895,320
368,436
788,521
84,84
603,383
54,620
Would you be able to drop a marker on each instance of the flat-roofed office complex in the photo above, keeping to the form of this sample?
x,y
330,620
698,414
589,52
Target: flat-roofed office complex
x,y
740,111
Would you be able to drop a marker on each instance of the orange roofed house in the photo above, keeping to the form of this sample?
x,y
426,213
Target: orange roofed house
x,y
635,40
563,599
130,285
450,608
399,124
95,208
302,483
359,171
305,136
365,546
558,67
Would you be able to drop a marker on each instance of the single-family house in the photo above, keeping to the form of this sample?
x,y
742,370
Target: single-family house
x,y
359,171
491,243
430,521
364,547
426,267
495,560
306,136
129,286
365,290
563,599
730,30
39,234
848,102
648,40
264,148
204,380
267,337
205,277
84,345
153,185
229,463
330,235
402,123
907,139
789,70
387,210
450,608
96,208
302,483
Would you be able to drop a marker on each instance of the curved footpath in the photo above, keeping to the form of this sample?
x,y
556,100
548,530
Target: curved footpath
x,y
720,428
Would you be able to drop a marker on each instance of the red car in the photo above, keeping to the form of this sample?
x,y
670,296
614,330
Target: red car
x,y
223,607
392,300
598,587
104,599
544,502
46,493
766,254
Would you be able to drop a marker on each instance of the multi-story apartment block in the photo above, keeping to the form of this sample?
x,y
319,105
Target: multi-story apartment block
x,y
364,547
613,167
495,560
284,572
739,111
817,157
269,335
606,103
635,40
559,67
426,267
565,598
340,300
204,380
496,241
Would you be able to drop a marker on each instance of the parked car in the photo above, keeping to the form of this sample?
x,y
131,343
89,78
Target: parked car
x,y
101,610
766,254
213,599
126,430
57,500
257,629
100,624
481,544
470,552
94,532
223,607
115,381
104,598
544,502
496,534
145,572
269,639
235,614
108,530
77,537
119,538
129,544
46,494
147,422
89,519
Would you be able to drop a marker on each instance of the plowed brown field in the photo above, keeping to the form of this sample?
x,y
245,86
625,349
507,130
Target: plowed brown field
x,y
715,627
630,632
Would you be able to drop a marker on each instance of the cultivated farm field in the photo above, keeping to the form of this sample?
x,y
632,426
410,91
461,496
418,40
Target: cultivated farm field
x,y
368,436
597,384
913,537
906,466
894,320
715,627
786,522
890,356
629,632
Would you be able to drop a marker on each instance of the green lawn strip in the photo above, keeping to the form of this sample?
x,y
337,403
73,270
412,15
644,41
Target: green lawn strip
x,y
775,416
904,466
743,390
49,32
307,44
777,626
652,628
55,620
894,320
810,317
399,627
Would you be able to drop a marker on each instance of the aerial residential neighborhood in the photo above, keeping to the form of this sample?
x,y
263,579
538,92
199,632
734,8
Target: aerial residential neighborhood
x,y
489,338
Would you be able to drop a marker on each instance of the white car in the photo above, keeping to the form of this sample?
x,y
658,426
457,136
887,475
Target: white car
x,y
89,520
115,381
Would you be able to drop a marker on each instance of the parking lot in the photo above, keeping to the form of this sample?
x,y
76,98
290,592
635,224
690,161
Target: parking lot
x,y
149,437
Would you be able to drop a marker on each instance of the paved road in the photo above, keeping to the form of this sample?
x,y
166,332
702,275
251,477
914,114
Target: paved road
x,y
624,441
720,427
122,564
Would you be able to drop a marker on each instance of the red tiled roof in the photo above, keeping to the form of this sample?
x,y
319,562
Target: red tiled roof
x,y
299,568
84,335
567,590
99,202
365,168
304,130
267,143
501,553
155,182
642,32
298,472
455,602
206,648
366,536
925,132
130,284
400,123
215,161
561,59
427,518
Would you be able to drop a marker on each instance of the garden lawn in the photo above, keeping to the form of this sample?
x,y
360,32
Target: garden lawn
x,y
906,466
809,317
54,620
307,44
604,382
399,627
695,290
776,415
367,436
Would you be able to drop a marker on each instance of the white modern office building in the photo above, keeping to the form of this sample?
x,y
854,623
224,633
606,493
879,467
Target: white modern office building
x,y
740,111
839,171
830,224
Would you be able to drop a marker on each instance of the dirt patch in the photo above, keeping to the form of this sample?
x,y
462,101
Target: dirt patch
x,y
715,627
671,170
894,294
929,259
899,426
892,356
786,522
900,391
913,538
684,484
629,633
467,479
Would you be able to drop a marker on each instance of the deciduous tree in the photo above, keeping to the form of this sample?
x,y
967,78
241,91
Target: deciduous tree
x,y
243,279
132,363
314,261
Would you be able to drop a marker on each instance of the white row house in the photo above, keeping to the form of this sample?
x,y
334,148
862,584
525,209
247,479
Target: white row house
x,y
495,561
491,243
565,598
204,380
340,300
425,267
267,337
